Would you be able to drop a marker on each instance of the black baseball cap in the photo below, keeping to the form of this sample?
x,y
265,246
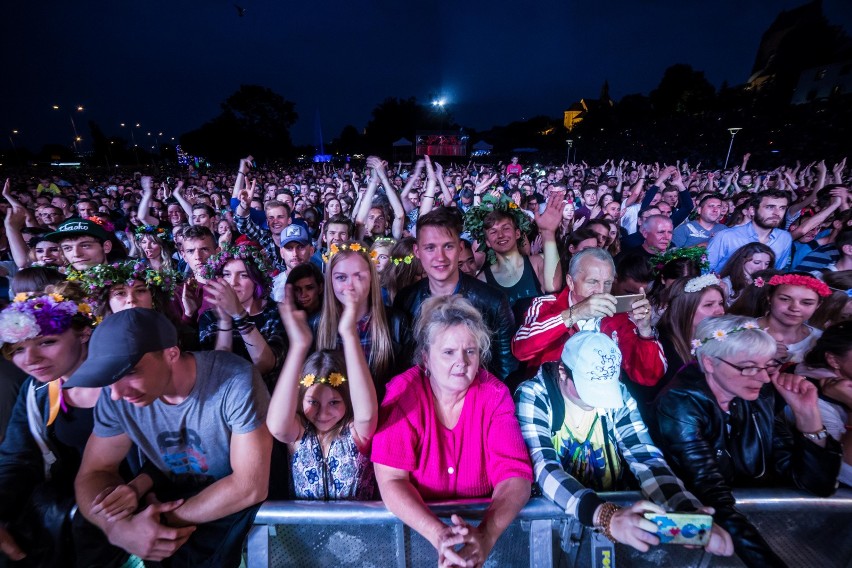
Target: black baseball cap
x,y
119,343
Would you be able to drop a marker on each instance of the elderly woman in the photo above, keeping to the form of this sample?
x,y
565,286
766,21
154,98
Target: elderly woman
x,y
719,425
447,430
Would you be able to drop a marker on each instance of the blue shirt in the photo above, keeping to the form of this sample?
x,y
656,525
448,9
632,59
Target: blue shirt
x,y
691,233
725,244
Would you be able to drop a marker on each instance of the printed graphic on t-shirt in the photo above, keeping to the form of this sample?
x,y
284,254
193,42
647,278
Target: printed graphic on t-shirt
x,y
183,452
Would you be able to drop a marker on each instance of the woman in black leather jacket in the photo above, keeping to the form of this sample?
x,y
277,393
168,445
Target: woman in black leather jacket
x,y
719,428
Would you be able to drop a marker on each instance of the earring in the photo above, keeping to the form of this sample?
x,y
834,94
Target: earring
x,y
427,373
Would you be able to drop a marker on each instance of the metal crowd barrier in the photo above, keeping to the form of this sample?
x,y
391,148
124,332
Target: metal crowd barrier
x,y
806,531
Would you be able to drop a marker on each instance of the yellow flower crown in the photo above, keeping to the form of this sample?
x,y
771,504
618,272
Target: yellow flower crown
x,y
407,259
332,380
351,246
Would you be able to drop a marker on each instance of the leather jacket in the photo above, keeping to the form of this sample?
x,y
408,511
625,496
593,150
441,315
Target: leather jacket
x,y
751,445
491,303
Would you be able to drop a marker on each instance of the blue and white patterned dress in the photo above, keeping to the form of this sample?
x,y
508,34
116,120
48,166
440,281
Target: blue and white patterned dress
x,y
345,474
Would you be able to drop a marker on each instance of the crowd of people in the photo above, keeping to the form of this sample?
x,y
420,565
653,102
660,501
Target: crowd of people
x,y
180,348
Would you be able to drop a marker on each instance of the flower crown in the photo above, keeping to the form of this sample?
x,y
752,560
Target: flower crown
x,y
107,226
243,249
817,286
332,380
154,230
30,316
698,255
353,246
103,276
721,335
700,282
474,220
407,259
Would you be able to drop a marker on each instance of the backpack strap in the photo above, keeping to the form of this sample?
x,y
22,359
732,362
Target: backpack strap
x,y
39,430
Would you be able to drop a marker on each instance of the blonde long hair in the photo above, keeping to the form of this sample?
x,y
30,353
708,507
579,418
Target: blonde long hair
x,y
381,350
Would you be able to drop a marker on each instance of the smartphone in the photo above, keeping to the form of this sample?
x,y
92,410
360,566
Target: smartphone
x,y
682,528
625,303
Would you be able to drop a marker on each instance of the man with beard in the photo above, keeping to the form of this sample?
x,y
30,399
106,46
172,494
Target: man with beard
x,y
702,229
768,216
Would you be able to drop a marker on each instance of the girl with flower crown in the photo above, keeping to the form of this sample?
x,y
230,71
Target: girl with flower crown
x,y
384,332
325,410
154,246
793,299
243,319
690,301
403,269
738,272
46,335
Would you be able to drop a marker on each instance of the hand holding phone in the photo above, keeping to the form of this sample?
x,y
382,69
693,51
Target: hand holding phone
x,y
625,303
682,528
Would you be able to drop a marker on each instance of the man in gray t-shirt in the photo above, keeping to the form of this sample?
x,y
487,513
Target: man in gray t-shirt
x,y
198,419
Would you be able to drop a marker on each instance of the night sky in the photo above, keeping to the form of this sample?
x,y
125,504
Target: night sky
x,y
168,64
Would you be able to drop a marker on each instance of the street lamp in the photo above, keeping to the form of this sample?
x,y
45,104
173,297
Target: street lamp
x,y
77,137
733,132
133,139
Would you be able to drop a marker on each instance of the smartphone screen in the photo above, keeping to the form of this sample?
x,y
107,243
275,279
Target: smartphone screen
x,y
682,528
625,303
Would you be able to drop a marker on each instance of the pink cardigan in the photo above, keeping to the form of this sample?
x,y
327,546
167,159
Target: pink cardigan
x,y
483,449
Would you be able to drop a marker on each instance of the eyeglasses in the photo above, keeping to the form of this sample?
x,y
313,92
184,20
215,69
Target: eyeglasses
x,y
771,368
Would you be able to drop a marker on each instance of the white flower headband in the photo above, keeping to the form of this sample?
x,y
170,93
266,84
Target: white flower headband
x,y
700,282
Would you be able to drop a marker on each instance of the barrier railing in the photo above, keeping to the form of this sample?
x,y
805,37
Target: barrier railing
x,y
804,530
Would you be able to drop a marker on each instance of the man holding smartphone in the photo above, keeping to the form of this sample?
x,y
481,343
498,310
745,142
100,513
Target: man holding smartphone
x,y
585,304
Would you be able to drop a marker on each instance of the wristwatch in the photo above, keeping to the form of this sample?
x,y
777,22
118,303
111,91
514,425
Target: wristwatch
x,y
816,436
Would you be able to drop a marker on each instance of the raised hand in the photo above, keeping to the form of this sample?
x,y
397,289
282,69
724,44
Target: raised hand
x,y
548,221
802,397
145,181
222,296
295,320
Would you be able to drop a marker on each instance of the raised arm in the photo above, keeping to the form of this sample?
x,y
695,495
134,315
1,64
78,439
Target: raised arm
x,y
182,201
816,220
15,219
282,418
427,202
395,203
145,202
409,185
550,275
364,208
365,406
240,182
445,191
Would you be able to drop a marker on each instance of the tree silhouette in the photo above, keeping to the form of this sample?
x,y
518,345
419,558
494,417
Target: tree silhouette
x,y
254,120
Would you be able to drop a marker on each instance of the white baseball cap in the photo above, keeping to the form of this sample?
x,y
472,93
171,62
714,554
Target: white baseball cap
x,y
595,363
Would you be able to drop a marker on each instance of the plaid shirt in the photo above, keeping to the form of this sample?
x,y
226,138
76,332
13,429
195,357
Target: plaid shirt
x,y
624,427
250,229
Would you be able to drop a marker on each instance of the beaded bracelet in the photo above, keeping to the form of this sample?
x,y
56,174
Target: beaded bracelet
x,y
605,519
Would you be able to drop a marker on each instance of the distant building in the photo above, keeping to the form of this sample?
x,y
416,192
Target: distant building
x,y
797,47
575,114
823,82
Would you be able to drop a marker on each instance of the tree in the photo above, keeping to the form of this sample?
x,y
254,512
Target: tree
x,y
682,90
254,120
